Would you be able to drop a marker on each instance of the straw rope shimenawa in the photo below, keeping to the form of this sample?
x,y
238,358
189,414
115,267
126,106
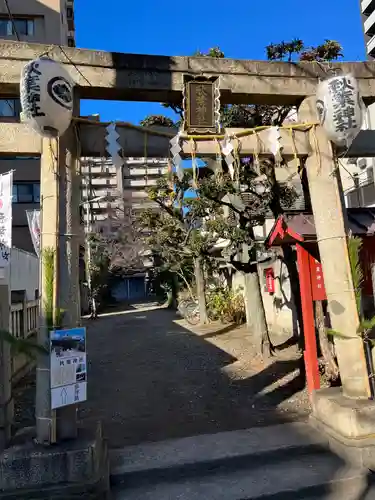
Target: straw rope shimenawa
x,y
151,131
310,126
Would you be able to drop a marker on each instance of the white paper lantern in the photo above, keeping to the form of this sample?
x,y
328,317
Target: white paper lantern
x,y
46,92
340,108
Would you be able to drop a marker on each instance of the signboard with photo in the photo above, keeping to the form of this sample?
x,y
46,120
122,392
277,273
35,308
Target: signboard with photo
x,y
68,367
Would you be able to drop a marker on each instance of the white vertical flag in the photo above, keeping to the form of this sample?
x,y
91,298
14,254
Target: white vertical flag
x,y
6,187
33,219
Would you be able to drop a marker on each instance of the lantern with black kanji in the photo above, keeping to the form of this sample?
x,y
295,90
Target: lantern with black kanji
x,y
340,108
46,92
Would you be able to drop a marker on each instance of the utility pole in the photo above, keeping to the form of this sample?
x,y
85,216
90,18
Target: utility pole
x,y
88,229
88,221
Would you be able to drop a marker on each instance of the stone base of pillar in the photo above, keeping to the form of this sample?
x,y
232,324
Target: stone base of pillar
x,y
66,471
348,424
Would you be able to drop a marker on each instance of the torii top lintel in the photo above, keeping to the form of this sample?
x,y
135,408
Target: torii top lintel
x,y
139,77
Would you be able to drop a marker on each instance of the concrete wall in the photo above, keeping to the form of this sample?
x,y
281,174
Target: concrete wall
x,y
357,174
279,307
24,273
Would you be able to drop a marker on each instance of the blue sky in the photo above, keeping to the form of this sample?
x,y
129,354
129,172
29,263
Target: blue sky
x,y
241,29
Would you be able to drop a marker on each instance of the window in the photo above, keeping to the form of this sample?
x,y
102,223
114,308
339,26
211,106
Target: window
x,y
69,12
22,158
24,192
23,26
71,42
10,108
36,193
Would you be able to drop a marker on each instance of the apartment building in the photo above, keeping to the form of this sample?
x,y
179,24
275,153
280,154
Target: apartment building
x,y
368,20
39,21
42,21
357,177
103,183
357,174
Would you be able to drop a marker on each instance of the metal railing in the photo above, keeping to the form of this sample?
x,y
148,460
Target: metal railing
x,y
24,323
362,195
24,318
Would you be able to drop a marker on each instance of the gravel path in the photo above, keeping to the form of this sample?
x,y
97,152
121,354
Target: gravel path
x,y
151,377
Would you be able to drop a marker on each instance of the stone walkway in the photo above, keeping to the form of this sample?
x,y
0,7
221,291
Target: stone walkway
x,y
153,377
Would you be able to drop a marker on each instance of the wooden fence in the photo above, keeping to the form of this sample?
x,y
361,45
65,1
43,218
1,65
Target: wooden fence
x,y
24,322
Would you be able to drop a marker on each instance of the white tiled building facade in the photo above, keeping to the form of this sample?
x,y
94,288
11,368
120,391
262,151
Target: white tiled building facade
x,y
357,174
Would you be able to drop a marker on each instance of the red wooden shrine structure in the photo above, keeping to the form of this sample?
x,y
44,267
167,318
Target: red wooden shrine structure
x,y
298,229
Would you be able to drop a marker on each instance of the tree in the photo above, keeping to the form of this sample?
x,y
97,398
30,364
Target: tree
x,y
119,240
157,121
259,115
173,232
249,116
115,249
236,207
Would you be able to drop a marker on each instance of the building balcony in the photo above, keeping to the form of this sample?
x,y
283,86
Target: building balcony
x,y
367,6
362,196
370,47
369,24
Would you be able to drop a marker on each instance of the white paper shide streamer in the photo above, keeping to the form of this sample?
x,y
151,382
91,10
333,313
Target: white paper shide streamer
x,y
113,146
6,187
46,92
176,157
227,150
340,108
273,140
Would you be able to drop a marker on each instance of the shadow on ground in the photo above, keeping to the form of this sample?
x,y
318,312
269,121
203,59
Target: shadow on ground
x,y
151,379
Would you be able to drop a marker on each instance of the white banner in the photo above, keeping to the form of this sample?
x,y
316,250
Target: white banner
x,y
6,187
33,219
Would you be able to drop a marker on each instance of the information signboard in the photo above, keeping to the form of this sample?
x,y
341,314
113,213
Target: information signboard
x,y
68,367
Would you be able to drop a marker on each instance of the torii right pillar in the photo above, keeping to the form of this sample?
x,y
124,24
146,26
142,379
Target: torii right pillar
x,y
345,413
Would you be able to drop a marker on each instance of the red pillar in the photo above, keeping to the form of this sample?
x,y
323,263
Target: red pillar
x,y
311,353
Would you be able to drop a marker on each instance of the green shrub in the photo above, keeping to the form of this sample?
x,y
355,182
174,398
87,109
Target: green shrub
x,y
226,305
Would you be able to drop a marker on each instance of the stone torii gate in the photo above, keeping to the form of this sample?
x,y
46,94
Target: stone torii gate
x,y
112,76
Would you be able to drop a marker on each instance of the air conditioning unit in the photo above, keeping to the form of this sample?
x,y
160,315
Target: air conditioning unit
x,y
362,163
370,174
352,161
